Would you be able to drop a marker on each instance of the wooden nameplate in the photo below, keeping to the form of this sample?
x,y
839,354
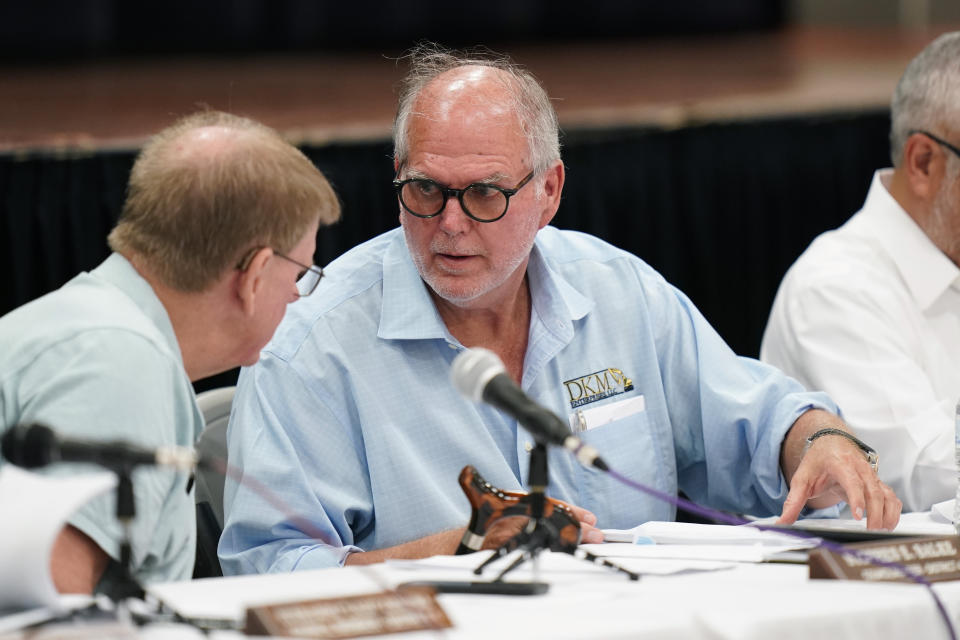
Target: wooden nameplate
x,y
935,559
411,609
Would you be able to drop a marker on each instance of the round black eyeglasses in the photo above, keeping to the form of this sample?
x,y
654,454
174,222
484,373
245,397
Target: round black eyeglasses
x,y
482,202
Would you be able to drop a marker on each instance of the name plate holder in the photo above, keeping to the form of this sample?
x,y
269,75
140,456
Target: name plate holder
x,y
935,558
411,609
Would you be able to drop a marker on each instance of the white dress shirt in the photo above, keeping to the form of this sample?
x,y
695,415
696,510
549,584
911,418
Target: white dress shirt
x,y
870,313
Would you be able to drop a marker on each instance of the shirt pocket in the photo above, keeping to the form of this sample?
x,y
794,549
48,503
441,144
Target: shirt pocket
x,y
583,420
626,440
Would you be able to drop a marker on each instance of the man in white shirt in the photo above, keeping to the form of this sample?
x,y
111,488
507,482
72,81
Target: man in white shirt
x,y
870,313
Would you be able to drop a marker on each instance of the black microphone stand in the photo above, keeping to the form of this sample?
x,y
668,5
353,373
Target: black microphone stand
x,y
542,532
124,585
127,586
539,533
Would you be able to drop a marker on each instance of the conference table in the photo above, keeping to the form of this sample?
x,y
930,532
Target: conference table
x,y
709,599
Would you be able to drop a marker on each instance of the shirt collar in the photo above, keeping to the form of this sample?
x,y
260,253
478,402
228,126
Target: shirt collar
x,y
118,271
552,295
409,313
925,269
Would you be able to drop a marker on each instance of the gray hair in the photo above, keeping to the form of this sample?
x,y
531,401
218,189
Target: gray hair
x,y
927,95
531,103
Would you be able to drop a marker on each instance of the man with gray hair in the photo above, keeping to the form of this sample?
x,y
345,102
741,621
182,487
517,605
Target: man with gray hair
x,y
215,239
352,411
870,313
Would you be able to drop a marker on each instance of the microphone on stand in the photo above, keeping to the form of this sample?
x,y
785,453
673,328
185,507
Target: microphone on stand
x,y
36,445
480,375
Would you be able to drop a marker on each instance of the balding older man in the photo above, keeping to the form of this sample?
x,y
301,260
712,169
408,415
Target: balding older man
x,y
352,411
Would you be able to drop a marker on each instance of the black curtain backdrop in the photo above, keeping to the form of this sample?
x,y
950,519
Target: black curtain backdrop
x,y
69,29
721,210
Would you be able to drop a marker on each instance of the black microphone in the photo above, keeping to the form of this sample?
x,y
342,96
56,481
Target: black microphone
x,y
36,445
480,375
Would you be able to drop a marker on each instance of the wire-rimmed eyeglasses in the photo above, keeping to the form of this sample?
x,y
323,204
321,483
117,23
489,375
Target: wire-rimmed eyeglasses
x,y
939,141
307,280
483,202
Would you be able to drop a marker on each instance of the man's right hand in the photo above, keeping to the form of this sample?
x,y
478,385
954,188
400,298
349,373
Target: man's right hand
x,y
505,528
446,541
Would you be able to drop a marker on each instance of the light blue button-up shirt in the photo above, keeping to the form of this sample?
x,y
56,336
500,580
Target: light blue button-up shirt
x,y
98,360
350,417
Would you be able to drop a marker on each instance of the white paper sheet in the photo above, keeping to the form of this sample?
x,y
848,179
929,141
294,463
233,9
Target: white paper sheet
x,y
674,533
920,523
943,511
651,560
34,509
691,554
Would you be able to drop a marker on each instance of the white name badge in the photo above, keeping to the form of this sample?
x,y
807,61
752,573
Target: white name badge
x,y
586,419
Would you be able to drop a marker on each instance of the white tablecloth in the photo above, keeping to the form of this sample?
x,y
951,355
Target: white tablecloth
x,y
744,601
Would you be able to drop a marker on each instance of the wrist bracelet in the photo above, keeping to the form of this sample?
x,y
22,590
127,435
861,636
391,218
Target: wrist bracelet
x,y
868,452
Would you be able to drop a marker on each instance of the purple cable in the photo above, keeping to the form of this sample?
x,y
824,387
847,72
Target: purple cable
x,y
713,514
